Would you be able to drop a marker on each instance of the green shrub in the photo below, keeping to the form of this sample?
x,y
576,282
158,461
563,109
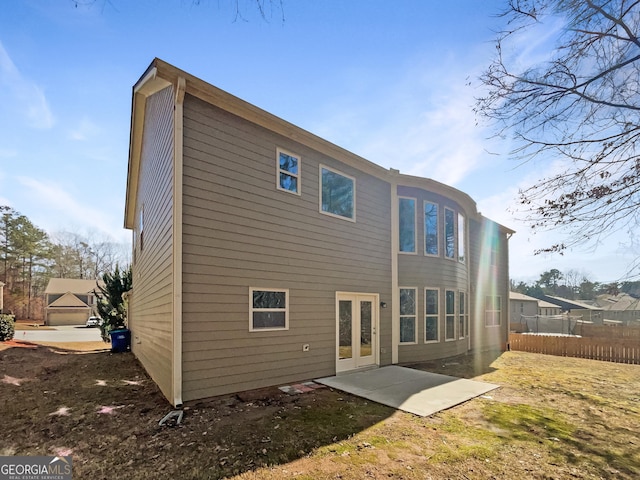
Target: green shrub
x,y
7,327
111,304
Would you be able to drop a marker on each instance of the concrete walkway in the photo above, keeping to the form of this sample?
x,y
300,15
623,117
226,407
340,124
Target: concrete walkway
x,y
414,391
71,333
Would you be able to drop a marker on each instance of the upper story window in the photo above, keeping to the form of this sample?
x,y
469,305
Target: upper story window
x,y
449,233
268,309
461,238
141,228
431,228
407,219
337,194
288,168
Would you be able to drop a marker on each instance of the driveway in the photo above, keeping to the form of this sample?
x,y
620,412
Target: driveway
x,y
72,333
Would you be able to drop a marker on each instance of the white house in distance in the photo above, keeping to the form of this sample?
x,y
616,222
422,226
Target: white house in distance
x,y
69,301
548,309
522,305
264,254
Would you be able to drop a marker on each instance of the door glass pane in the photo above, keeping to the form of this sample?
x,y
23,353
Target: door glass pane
x,y
345,342
366,324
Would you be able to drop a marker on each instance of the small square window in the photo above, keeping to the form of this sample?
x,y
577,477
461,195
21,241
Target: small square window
x,y
337,194
268,309
288,171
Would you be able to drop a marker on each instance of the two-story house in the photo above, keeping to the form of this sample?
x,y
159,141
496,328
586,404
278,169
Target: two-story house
x,y
264,254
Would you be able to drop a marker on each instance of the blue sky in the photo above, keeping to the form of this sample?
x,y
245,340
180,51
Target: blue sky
x,y
391,81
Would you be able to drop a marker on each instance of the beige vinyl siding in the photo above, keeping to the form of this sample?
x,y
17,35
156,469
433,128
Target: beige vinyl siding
x,y
433,272
240,231
151,302
488,280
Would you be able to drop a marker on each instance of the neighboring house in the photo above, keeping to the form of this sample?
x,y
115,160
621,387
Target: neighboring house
x,y
69,301
548,309
529,314
622,308
574,308
264,254
522,305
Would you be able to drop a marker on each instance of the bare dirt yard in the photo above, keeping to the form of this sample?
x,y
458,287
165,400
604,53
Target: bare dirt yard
x,y
552,418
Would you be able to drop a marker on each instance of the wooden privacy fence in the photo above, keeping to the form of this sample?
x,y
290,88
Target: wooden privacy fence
x,y
608,331
607,349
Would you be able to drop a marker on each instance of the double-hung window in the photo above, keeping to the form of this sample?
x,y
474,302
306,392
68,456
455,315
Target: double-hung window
x,y
337,194
408,311
432,315
450,315
463,315
288,171
431,228
407,227
268,309
493,311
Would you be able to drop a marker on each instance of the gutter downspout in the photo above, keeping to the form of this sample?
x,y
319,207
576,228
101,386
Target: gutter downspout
x,y
178,135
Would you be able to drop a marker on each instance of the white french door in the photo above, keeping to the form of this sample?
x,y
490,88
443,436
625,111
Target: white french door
x,y
357,330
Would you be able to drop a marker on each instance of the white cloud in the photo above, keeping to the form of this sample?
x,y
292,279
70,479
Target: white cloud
x,y
420,121
58,209
24,96
445,144
85,130
535,45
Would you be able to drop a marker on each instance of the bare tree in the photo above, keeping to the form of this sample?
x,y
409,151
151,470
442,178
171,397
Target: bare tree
x,y
265,8
581,106
86,255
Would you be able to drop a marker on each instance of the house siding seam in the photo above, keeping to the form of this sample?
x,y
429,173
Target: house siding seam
x,y
240,231
151,300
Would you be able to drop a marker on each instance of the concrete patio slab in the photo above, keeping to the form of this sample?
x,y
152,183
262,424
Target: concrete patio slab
x,y
407,389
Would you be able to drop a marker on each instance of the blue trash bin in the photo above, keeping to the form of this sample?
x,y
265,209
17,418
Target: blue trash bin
x,y
120,340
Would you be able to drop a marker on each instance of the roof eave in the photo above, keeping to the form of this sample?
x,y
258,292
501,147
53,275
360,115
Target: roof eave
x,y
148,84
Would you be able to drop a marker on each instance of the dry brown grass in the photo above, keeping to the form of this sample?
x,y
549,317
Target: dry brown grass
x,y
552,418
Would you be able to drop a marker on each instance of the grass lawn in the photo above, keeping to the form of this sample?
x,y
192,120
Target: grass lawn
x,y
553,417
